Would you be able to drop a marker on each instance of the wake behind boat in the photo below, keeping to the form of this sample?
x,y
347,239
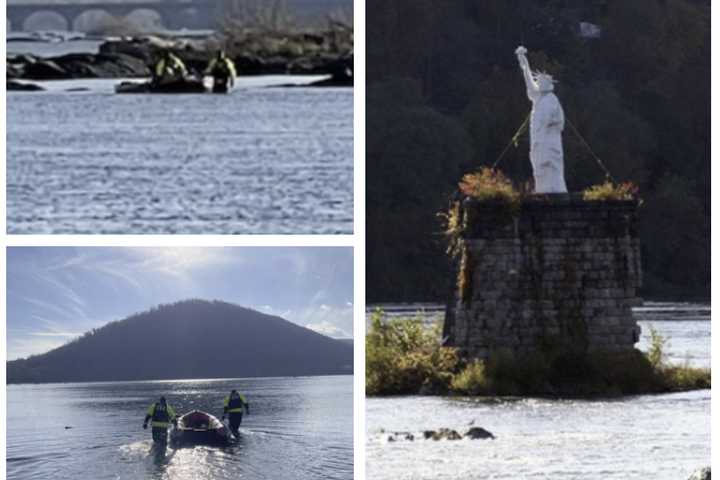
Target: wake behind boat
x,y
200,428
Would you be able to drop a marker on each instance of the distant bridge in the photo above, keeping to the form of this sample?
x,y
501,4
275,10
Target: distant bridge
x,y
26,15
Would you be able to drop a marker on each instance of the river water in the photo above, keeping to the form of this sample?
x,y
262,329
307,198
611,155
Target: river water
x,y
297,428
265,159
662,437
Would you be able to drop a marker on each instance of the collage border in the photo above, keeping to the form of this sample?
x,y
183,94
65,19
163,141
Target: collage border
x,y
356,240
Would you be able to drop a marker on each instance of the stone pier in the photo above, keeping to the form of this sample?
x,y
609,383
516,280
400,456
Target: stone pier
x,y
552,272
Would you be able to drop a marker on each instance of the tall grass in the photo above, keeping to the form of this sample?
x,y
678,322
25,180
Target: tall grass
x,y
675,377
403,356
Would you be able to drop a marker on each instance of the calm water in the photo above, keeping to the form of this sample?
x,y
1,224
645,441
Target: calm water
x,y
260,160
297,428
661,437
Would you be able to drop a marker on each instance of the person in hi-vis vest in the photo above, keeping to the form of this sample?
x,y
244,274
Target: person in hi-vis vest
x,y
161,415
233,407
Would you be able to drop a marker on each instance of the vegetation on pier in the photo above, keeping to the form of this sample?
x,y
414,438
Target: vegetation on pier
x,y
405,357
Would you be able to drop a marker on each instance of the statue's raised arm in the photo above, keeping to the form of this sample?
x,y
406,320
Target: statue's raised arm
x,y
532,86
546,125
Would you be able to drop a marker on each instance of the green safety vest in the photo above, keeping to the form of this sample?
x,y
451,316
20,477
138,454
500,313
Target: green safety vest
x,y
173,66
222,67
235,404
161,417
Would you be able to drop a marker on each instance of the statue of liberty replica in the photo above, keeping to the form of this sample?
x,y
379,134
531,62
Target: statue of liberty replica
x,y
546,125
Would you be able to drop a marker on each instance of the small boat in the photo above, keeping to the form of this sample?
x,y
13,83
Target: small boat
x,y
183,85
200,428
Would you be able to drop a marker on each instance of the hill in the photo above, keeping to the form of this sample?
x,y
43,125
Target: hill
x,y
189,339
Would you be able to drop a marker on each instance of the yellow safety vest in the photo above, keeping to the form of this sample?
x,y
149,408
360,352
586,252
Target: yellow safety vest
x,y
237,404
224,63
161,417
175,65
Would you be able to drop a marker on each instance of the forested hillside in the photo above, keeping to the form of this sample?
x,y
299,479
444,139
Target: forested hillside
x,y
190,339
445,96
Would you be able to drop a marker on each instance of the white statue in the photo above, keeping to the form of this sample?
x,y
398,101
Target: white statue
x,y
546,125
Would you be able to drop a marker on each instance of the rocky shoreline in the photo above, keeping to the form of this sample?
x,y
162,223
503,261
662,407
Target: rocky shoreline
x,y
133,57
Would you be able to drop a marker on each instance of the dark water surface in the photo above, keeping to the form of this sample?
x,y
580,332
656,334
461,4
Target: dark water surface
x,y
300,428
260,160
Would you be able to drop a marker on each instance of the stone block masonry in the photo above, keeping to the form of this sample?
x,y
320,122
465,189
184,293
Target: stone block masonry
x,y
553,272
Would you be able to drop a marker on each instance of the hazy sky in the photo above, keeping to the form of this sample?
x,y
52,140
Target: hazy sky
x,y
55,294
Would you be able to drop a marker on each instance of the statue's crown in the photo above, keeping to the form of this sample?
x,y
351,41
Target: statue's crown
x,y
544,76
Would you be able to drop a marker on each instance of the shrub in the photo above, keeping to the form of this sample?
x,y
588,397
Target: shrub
x,y
489,184
611,191
674,377
625,373
453,228
404,357
685,377
472,380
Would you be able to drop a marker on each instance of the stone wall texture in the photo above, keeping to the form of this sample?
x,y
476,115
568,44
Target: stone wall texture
x,y
554,272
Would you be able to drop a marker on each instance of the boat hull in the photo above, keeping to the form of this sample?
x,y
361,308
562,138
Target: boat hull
x,y
174,87
200,428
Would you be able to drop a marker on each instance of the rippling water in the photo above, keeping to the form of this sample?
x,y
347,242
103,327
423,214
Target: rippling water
x,y
260,160
661,437
297,428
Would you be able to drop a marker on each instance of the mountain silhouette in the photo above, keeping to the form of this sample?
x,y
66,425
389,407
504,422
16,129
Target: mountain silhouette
x,y
189,339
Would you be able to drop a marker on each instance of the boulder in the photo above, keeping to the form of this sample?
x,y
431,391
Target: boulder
x,y
45,70
702,474
144,48
13,86
121,65
395,436
442,434
13,70
478,433
21,59
102,66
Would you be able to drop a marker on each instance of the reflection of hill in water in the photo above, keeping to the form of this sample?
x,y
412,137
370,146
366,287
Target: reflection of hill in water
x,y
190,339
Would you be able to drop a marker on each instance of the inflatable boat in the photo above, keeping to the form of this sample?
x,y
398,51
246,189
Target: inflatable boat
x,y
200,428
185,85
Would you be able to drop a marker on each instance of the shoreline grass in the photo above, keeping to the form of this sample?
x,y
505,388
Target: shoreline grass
x,y
405,357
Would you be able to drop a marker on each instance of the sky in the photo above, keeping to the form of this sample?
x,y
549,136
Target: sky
x,y
55,294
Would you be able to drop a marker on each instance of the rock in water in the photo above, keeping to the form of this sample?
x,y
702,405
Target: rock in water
x,y
45,70
22,87
702,474
477,433
442,434
395,436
